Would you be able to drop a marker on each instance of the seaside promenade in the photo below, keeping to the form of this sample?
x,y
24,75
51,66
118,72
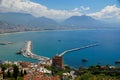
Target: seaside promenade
x,y
27,52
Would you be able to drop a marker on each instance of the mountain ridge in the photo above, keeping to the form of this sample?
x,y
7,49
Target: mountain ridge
x,y
28,22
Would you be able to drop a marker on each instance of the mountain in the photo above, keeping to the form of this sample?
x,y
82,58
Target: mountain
x,y
24,22
15,18
81,21
27,20
43,22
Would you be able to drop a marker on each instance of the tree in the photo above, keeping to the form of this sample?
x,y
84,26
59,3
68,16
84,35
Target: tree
x,y
15,72
21,73
3,70
8,74
25,72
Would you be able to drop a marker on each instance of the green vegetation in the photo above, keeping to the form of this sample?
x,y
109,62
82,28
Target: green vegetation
x,y
98,73
90,76
55,71
15,72
15,75
92,73
12,72
58,71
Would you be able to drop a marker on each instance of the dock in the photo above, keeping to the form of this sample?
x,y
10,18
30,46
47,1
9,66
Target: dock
x,y
75,49
27,52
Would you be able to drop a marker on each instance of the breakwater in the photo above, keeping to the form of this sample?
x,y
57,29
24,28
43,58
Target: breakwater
x,y
75,49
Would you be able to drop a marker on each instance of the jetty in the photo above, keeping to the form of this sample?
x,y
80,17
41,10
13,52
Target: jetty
x,y
27,52
75,49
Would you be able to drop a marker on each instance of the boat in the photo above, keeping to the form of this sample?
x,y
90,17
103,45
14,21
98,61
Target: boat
x,y
59,40
5,43
84,60
2,43
117,62
19,52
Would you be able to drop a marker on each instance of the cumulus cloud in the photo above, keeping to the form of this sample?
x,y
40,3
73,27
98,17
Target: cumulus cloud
x,y
38,10
84,8
108,13
81,9
26,6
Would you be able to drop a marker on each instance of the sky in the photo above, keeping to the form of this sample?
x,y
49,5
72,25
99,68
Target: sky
x,y
107,10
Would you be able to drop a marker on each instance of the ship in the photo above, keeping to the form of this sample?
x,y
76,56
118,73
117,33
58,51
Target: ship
x,y
84,60
19,52
5,43
117,62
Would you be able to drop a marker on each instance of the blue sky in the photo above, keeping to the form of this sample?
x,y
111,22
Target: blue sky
x,y
107,10
95,5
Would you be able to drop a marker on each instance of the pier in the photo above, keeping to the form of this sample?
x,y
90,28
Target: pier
x,y
27,52
75,49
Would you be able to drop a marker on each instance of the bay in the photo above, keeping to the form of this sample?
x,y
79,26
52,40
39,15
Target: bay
x,y
50,43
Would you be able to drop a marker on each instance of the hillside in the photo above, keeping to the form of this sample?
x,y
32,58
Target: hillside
x,y
15,22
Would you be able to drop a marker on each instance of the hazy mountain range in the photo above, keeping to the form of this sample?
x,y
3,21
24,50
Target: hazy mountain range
x,y
15,20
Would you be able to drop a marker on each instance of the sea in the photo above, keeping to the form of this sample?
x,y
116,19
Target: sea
x,y
51,43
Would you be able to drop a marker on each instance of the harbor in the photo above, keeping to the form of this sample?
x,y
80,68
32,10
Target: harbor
x,y
27,51
43,47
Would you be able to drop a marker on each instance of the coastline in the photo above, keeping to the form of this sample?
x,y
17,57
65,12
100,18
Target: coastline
x,y
53,30
40,39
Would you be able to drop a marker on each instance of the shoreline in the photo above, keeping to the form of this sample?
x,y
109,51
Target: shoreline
x,y
45,32
53,30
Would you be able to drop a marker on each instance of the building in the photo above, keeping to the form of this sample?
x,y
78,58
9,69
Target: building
x,y
1,75
40,76
57,61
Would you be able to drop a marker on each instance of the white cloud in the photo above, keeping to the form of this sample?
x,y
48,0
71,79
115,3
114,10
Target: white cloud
x,y
108,13
38,10
84,8
35,9
81,9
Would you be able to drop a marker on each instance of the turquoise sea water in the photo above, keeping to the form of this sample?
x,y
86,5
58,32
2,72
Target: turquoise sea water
x,y
46,43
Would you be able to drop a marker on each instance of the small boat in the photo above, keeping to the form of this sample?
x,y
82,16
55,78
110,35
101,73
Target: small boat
x,y
84,60
5,43
117,62
59,40
18,52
